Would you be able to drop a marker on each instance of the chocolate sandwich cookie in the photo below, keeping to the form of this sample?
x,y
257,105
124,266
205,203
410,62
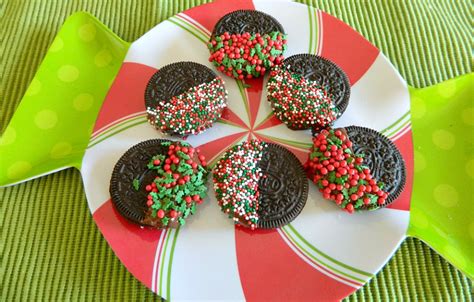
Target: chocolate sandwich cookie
x,y
158,183
382,157
298,102
246,43
184,98
260,185
325,73
356,167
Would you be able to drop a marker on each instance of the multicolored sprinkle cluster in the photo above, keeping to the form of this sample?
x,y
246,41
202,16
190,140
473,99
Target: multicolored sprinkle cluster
x,y
191,112
236,177
298,102
179,184
247,55
340,174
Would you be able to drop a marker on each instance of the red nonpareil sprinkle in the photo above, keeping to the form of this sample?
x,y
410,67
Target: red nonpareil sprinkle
x,y
160,214
298,102
246,55
173,214
177,186
351,185
236,177
191,112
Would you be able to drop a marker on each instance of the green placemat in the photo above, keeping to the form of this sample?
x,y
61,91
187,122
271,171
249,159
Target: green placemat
x,y
51,248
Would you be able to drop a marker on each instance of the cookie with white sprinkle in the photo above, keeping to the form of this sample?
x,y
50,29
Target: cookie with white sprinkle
x,y
298,102
260,185
158,183
308,91
184,98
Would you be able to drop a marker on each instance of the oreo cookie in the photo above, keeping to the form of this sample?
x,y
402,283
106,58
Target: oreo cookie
x,y
356,167
283,189
150,189
250,21
260,185
184,98
383,159
246,43
299,103
326,73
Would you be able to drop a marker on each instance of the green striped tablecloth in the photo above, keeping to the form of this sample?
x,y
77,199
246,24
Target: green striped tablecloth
x,y
51,248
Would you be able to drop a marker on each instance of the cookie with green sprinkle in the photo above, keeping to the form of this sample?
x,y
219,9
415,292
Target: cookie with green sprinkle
x,y
159,183
383,159
324,73
260,185
246,43
356,167
184,98
298,102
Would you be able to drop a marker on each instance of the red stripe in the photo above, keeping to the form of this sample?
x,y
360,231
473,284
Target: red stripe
x,y
405,145
207,15
229,115
116,122
254,92
193,22
347,48
126,96
135,247
271,122
303,254
300,154
271,271
160,253
213,148
401,132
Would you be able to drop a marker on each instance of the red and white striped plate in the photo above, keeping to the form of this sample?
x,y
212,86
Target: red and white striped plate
x,y
325,253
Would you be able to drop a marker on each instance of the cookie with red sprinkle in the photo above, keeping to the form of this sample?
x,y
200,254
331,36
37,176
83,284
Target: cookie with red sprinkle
x,y
184,98
356,167
298,102
159,183
260,185
323,73
246,43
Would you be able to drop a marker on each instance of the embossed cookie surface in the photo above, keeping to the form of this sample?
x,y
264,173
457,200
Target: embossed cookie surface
x,y
175,79
283,187
325,73
382,157
250,21
128,201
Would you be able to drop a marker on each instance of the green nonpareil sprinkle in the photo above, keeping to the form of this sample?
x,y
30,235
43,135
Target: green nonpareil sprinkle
x,y
136,184
357,194
236,58
237,171
299,102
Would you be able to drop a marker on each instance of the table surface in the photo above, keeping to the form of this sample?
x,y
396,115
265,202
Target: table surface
x,y
51,248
